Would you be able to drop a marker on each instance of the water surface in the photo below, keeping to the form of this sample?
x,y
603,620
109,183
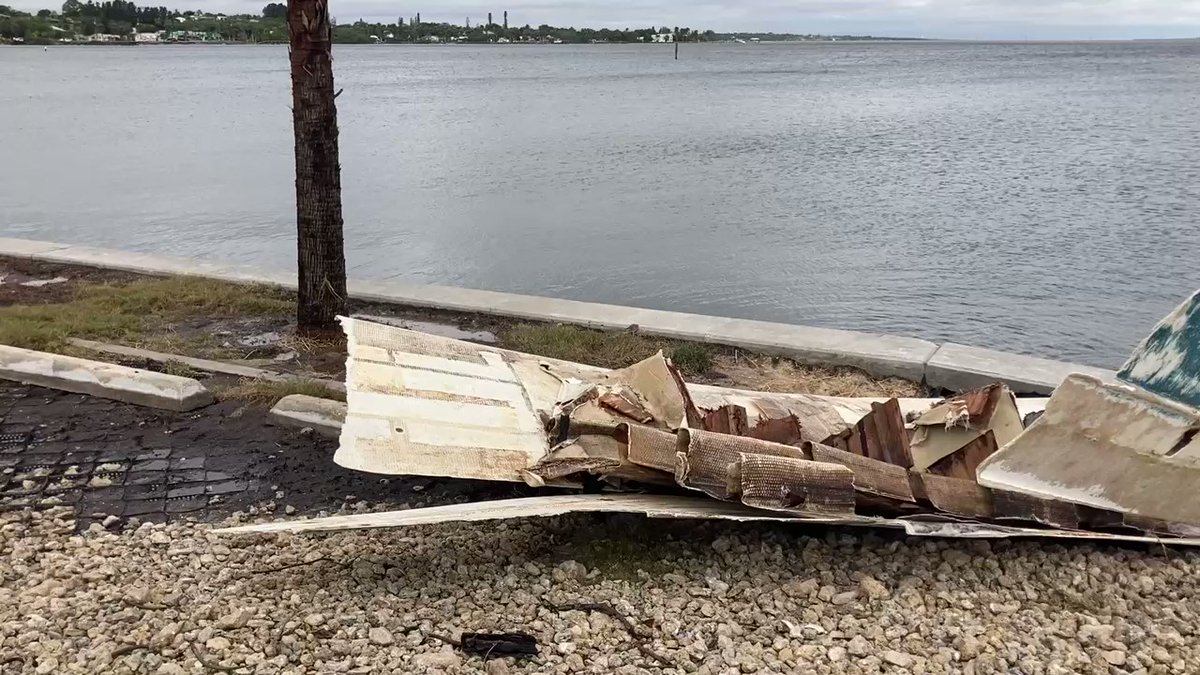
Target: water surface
x,y
1040,198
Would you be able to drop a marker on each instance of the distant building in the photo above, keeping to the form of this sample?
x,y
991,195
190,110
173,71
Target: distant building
x,y
185,36
148,38
663,37
503,41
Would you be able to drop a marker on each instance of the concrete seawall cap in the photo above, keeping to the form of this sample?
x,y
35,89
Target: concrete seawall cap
x,y
959,368
950,366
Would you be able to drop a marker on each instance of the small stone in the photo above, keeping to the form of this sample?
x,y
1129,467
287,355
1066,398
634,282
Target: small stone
x,y
858,646
1114,657
170,669
138,595
314,620
971,647
873,588
575,662
46,665
844,598
808,652
566,648
496,667
441,660
898,658
238,618
160,538
801,589
836,654
573,570
722,544
217,644
110,522
290,510
380,636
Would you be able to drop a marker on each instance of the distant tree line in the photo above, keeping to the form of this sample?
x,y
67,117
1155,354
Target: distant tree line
x,y
412,30
121,18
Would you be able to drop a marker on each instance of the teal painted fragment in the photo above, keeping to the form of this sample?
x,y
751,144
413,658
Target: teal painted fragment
x,y
1167,362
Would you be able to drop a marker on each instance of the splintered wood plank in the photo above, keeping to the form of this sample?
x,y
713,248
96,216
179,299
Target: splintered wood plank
x,y
728,419
955,495
1016,506
870,475
792,485
879,435
785,430
626,404
964,462
891,434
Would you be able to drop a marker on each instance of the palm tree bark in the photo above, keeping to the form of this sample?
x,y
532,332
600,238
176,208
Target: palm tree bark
x,y
321,258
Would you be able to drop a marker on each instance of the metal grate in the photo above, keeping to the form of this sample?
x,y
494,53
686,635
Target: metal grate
x,y
12,440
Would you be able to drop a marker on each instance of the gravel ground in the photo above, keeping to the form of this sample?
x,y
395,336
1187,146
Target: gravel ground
x,y
710,598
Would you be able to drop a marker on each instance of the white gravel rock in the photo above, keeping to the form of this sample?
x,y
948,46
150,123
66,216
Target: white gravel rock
x,y
378,635
714,598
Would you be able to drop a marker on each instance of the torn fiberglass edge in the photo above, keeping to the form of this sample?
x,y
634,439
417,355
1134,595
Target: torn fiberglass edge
x,y
665,506
424,405
1130,448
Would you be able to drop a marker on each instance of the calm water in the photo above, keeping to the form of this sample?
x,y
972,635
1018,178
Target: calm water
x,y
1038,198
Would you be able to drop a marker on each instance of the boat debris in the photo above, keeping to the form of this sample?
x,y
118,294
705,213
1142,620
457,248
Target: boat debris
x,y
1105,461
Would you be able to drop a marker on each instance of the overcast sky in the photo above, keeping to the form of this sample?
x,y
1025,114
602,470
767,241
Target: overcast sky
x,y
971,19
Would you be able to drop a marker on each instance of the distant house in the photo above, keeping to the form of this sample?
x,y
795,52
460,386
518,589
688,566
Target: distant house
x,y
148,38
663,37
503,41
185,36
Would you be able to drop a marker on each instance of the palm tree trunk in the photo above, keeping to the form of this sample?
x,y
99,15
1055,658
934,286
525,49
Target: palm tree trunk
x,y
321,259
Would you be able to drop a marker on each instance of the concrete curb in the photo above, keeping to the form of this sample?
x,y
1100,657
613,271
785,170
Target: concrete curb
x,y
950,366
959,368
323,415
106,380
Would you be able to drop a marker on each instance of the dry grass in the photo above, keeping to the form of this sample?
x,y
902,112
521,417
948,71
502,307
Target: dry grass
x,y
126,313
306,344
179,369
268,393
604,349
763,373
702,363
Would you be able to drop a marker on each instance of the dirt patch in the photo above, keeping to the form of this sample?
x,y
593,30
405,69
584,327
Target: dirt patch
x,y
763,373
23,281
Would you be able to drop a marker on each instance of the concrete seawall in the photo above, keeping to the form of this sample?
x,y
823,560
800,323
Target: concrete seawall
x,y
949,366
